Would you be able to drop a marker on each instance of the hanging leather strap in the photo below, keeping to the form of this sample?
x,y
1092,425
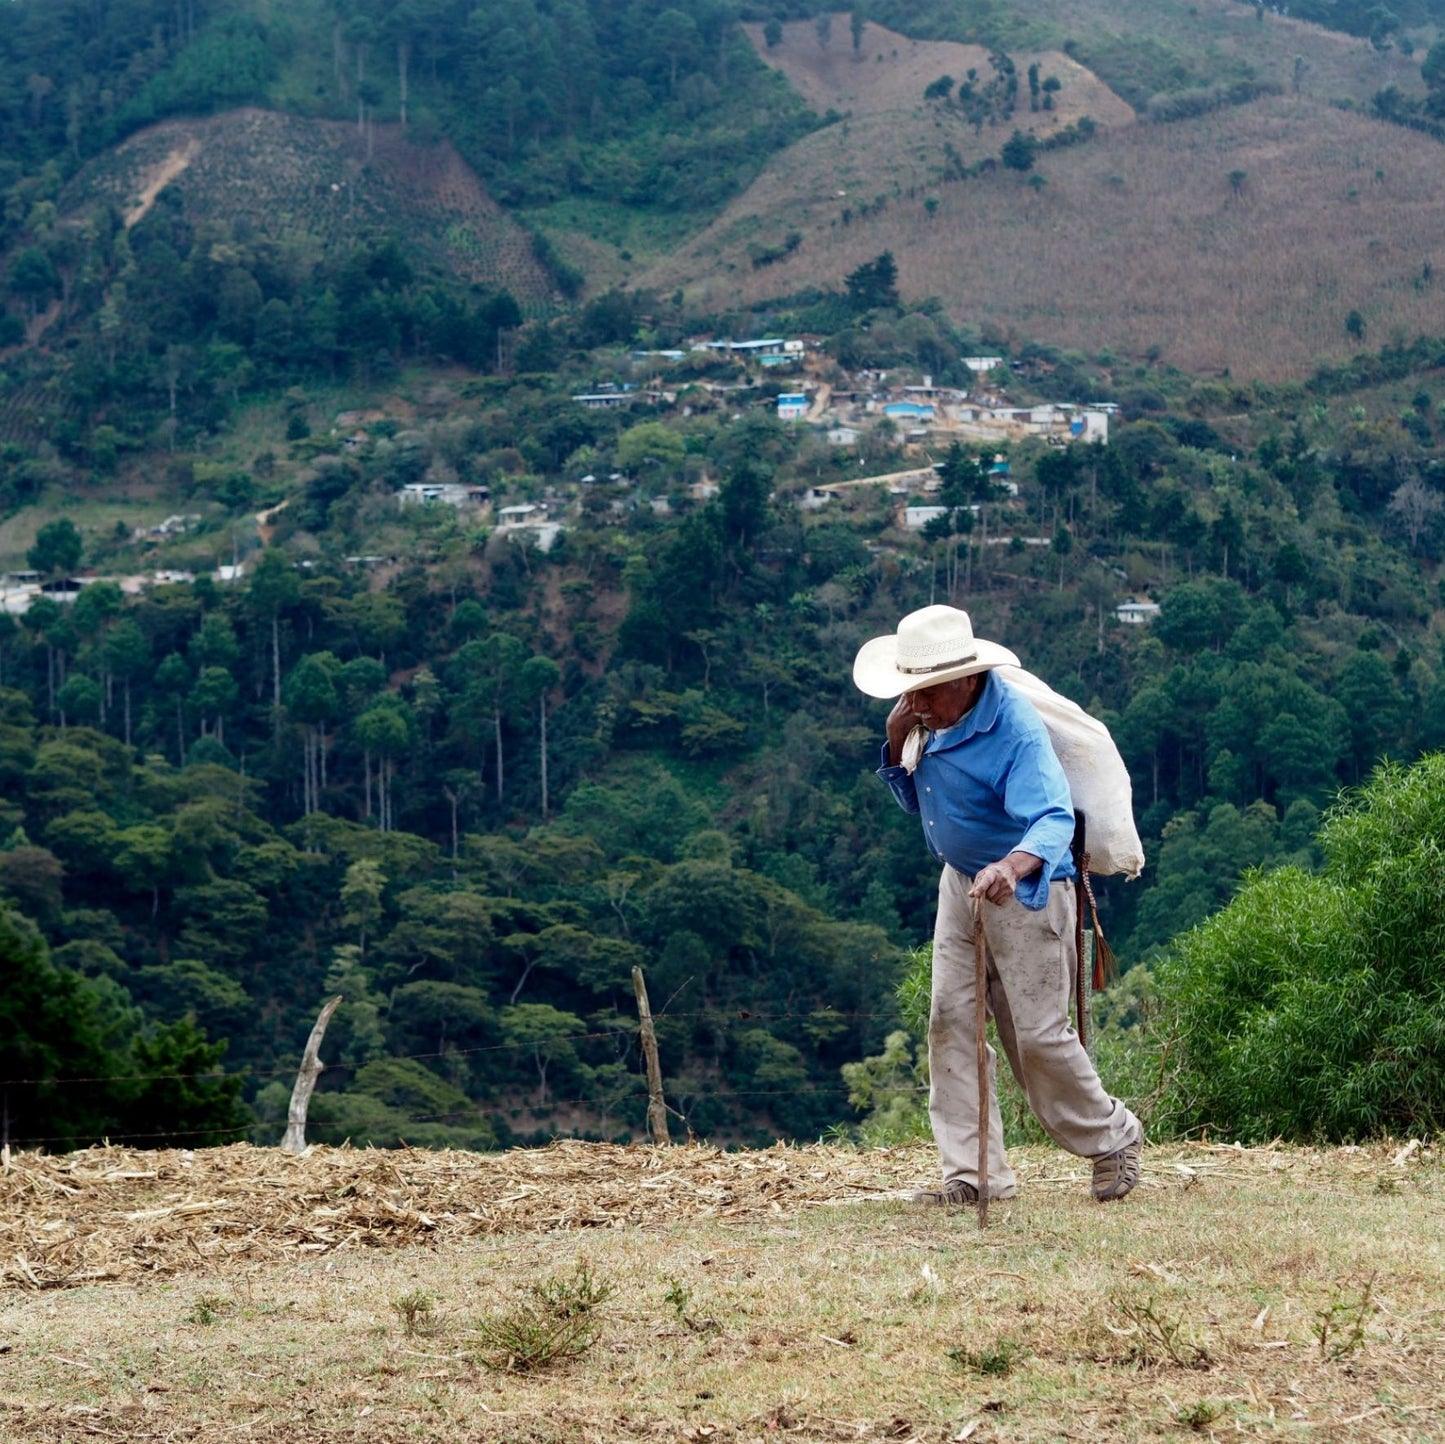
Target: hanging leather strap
x,y
1082,892
1103,972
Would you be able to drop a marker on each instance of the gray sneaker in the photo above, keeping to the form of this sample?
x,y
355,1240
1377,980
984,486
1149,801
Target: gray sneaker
x,y
1115,1174
957,1194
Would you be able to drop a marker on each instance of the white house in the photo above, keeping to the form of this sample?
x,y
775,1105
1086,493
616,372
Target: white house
x,y
792,406
1135,614
431,493
1090,425
542,534
915,518
15,598
765,346
604,400
815,498
523,513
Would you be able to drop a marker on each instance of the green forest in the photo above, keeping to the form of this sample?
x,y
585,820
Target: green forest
x,y
346,746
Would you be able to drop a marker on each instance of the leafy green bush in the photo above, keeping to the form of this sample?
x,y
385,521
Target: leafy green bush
x,y
1313,1006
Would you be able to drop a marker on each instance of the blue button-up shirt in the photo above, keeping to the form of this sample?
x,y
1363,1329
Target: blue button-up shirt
x,y
991,785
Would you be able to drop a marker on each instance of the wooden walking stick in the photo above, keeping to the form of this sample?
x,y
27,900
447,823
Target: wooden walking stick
x,y
980,1032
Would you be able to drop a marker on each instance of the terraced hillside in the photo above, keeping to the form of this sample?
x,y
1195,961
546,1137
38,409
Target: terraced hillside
x,y
286,178
1242,239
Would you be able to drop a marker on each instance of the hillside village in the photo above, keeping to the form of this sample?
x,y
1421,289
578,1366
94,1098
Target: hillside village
x,y
904,409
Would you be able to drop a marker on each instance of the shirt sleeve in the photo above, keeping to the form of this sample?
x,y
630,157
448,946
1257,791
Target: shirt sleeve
x,y
900,783
1036,795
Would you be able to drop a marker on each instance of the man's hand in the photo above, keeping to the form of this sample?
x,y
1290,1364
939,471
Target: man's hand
x,y
998,880
901,721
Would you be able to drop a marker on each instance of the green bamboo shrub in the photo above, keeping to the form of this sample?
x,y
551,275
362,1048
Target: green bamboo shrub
x,y
1313,1006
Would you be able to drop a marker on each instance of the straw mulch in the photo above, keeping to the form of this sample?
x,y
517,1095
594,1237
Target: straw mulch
x,y
117,1214
123,1215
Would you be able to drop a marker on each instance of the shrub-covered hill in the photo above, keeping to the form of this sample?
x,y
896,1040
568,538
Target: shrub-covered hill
x,y
313,189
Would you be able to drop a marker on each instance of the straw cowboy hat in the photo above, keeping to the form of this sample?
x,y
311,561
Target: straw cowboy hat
x,y
933,645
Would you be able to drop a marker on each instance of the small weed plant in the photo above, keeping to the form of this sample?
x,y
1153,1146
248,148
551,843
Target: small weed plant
x,y
678,1296
993,1362
1158,1339
558,1319
1200,1415
208,1308
414,1309
1340,1325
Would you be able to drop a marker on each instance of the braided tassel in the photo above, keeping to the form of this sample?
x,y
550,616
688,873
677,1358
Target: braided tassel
x,y
1105,965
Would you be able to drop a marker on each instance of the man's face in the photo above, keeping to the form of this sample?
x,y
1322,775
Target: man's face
x,y
943,704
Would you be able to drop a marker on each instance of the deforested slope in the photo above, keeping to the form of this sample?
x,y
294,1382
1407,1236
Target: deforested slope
x,y
1242,239
327,183
888,72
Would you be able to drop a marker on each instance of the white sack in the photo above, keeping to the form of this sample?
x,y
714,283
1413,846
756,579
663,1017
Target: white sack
x,y
1098,779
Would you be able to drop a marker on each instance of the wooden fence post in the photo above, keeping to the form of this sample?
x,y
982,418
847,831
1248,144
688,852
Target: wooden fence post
x,y
311,1066
656,1107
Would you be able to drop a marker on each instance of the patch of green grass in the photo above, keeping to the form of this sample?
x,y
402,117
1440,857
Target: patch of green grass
x,y
643,233
414,1309
993,1362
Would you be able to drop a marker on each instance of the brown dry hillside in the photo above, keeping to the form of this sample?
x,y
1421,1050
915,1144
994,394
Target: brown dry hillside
x,y
286,178
1139,239
889,72
1241,240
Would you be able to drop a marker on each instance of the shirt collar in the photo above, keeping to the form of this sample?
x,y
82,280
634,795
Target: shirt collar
x,y
979,718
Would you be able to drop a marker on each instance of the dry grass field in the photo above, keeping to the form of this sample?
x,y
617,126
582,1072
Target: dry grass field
x,y
888,74
1239,240
589,1292
1138,241
321,186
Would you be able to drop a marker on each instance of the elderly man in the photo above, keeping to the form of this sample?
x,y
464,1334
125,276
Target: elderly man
x,y
972,758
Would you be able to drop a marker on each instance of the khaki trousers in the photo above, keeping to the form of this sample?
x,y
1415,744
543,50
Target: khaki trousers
x,y
1030,987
